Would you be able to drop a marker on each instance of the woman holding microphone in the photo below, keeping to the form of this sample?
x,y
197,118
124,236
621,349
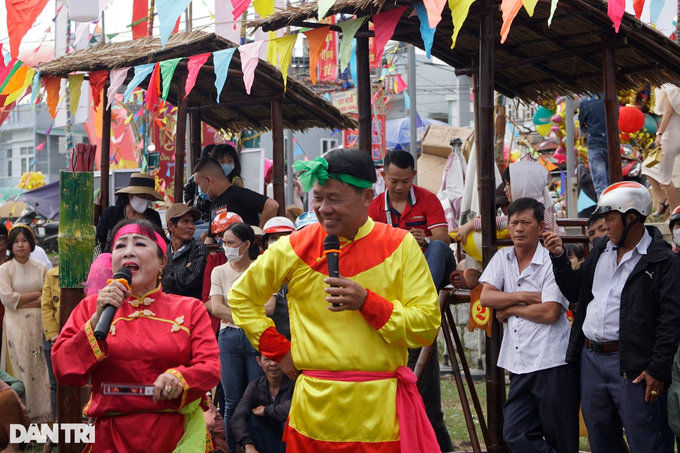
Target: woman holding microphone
x,y
159,345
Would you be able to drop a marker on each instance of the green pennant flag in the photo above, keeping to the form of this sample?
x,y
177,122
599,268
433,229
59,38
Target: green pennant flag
x,y
349,29
16,66
167,71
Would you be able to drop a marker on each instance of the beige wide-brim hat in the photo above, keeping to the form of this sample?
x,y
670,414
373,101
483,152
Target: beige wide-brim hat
x,y
141,184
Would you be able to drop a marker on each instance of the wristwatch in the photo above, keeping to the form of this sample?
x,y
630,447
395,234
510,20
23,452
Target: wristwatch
x,y
427,241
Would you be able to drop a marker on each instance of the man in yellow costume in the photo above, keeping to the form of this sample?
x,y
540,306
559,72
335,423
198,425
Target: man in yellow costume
x,y
354,392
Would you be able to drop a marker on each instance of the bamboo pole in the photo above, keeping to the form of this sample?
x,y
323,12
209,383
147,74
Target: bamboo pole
x,y
364,94
277,155
180,139
105,152
76,243
611,114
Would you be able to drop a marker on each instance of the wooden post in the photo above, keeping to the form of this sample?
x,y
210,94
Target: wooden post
x,y
76,243
105,152
364,94
485,159
611,114
180,139
277,152
196,139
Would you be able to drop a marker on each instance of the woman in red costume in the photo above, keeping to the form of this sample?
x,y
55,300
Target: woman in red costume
x,y
156,339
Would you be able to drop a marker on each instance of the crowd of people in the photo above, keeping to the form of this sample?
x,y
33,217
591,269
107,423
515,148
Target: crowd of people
x,y
231,336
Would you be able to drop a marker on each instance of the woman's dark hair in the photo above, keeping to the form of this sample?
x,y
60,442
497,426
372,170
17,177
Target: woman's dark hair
x,y
13,237
244,232
146,228
224,150
524,204
351,162
506,175
206,151
574,250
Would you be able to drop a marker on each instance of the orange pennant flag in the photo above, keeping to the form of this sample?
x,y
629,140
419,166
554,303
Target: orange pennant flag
x,y
316,39
17,80
52,87
510,8
21,14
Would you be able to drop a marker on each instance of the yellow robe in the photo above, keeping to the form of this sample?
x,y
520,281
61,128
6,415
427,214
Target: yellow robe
x,y
401,312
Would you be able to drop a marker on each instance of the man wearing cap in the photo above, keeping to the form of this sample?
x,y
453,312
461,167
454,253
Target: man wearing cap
x,y
183,275
349,335
134,202
627,326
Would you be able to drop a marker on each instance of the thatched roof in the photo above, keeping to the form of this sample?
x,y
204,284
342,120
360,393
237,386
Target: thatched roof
x,y
302,109
536,61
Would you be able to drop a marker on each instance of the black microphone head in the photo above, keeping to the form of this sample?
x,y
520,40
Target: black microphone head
x,y
123,273
331,242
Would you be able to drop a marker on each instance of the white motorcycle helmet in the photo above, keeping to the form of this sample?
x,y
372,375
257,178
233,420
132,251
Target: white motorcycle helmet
x,y
624,197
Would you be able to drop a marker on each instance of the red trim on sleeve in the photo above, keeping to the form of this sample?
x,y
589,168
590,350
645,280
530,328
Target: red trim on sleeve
x,y
274,345
377,310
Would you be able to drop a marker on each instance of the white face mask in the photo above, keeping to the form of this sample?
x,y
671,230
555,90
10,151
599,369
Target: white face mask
x,y
676,237
233,254
140,205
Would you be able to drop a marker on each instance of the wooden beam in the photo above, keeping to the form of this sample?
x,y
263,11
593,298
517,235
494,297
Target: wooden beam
x,y
180,139
277,155
226,105
196,139
611,114
495,389
105,151
364,96
558,55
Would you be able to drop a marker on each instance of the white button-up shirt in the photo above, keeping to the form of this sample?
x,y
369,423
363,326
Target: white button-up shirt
x,y
529,346
602,315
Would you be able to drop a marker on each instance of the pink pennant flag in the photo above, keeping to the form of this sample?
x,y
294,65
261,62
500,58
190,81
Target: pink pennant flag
x,y
40,146
240,6
116,79
250,57
615,10
194,66
384,25
434,11
401,85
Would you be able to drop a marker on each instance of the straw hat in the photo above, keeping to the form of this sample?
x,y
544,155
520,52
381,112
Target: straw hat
x,y
141,184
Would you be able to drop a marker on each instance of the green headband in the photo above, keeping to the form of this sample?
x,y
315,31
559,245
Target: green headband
x,y
317,170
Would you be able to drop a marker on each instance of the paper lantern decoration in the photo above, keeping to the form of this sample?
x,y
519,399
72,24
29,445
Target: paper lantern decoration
x,y
473,243
542,116
625,137
651,125
631,119
83,10
543,129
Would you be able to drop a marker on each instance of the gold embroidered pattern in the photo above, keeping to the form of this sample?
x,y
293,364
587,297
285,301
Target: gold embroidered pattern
x,y
148,314
93,342
87,406
179,376
112,330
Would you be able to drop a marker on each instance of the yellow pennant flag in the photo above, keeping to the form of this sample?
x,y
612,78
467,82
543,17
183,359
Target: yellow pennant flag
x,y
16,81
264,7
128,119
459,12
271,49
530,5
74,83
284,50
15,95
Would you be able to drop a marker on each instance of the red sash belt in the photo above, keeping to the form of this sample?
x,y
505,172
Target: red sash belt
x,y
415,430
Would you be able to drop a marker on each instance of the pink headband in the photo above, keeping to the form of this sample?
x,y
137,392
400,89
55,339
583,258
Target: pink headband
x,y
134,229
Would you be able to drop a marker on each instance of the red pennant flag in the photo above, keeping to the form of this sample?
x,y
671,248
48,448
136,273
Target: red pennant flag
x,y
97,81
384,25
194,67
140,10
316,39
637,6
21,14
152,91
401,85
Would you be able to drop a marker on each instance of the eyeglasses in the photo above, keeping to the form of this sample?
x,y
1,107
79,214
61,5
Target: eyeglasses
x,y
2,237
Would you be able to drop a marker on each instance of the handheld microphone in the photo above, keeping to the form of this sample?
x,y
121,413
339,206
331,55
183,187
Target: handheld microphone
x,y
106,318
331,247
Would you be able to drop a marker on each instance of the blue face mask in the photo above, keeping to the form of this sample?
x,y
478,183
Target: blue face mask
x,y
202,194
220,243
227,168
